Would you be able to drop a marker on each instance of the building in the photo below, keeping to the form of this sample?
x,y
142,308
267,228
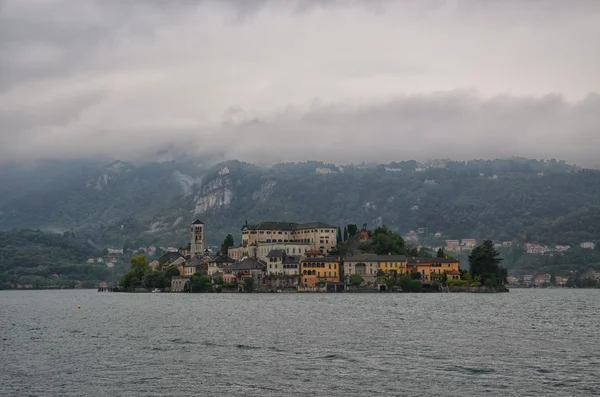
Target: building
x,y
249,267
180,284
365,265
469,242
319,235
281,264
195,265
262,250
561,280
197,238
431,268
175,261
588,245
535,248
216,265
542,279
321,270
389,264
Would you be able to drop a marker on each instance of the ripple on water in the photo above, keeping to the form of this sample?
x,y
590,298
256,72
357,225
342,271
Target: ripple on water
x,y
516,344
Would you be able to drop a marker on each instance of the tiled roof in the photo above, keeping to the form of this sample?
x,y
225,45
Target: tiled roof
x,y
198,222
321,259
276,254
391,258
288,226
247,264
415,260
362,258
223,259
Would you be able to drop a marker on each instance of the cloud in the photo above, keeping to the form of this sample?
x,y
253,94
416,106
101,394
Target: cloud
x,y
276,81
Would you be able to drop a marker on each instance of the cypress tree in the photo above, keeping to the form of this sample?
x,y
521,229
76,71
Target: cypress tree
x,y
339,235
345,233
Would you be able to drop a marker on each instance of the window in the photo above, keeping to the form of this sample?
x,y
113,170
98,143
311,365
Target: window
x,y
330,266
329,274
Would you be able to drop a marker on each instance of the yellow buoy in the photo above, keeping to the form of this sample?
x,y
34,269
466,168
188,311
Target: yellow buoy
x,y
79,307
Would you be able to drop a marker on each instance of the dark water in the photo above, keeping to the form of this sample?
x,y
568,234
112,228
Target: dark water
x,y
527,342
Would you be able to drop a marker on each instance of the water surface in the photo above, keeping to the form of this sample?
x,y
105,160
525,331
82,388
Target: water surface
x,y
526,342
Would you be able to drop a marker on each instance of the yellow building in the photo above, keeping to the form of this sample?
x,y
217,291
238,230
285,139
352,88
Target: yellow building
x,y
321,236
313,270
392,263
427,267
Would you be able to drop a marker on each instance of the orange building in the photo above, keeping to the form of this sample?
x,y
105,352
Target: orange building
x,y
428,267
315,270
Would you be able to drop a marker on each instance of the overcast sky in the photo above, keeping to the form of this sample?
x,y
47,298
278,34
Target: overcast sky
x,y
262,81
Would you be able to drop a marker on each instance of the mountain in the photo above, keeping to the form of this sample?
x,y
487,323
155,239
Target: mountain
x,y
122,203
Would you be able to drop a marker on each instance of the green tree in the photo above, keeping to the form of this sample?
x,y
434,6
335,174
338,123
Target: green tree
x,y
248,284
384,241
346,234
484,262
227,243
153,279
171,271
355,280
339,235
200,283
138,268
352,229
553,279
440,253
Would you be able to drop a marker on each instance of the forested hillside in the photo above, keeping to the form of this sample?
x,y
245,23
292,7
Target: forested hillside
x,y
48,260
121,203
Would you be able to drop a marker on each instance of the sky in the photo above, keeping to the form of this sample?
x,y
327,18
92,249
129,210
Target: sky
x,y
271,81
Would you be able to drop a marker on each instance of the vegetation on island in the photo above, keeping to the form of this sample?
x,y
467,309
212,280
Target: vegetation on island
x,y
142,276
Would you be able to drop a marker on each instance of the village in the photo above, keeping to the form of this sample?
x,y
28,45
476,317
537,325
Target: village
x,y
287,256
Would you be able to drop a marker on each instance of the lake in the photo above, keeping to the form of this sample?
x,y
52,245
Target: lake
x,y
527,342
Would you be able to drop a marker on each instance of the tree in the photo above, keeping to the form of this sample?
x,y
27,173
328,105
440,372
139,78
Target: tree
x,y
384,241
138,268
171,271
153,279
346,234
200,283
352,229
339,235
355,280
484,262
227,243
440,253
248,284
553,279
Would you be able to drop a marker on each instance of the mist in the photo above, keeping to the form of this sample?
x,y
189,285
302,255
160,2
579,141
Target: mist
x,y
270,81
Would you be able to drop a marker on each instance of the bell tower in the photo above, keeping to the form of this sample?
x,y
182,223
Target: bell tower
x,y
197,239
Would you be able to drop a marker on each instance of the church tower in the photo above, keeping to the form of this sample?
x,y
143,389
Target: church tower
x,y
197,239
